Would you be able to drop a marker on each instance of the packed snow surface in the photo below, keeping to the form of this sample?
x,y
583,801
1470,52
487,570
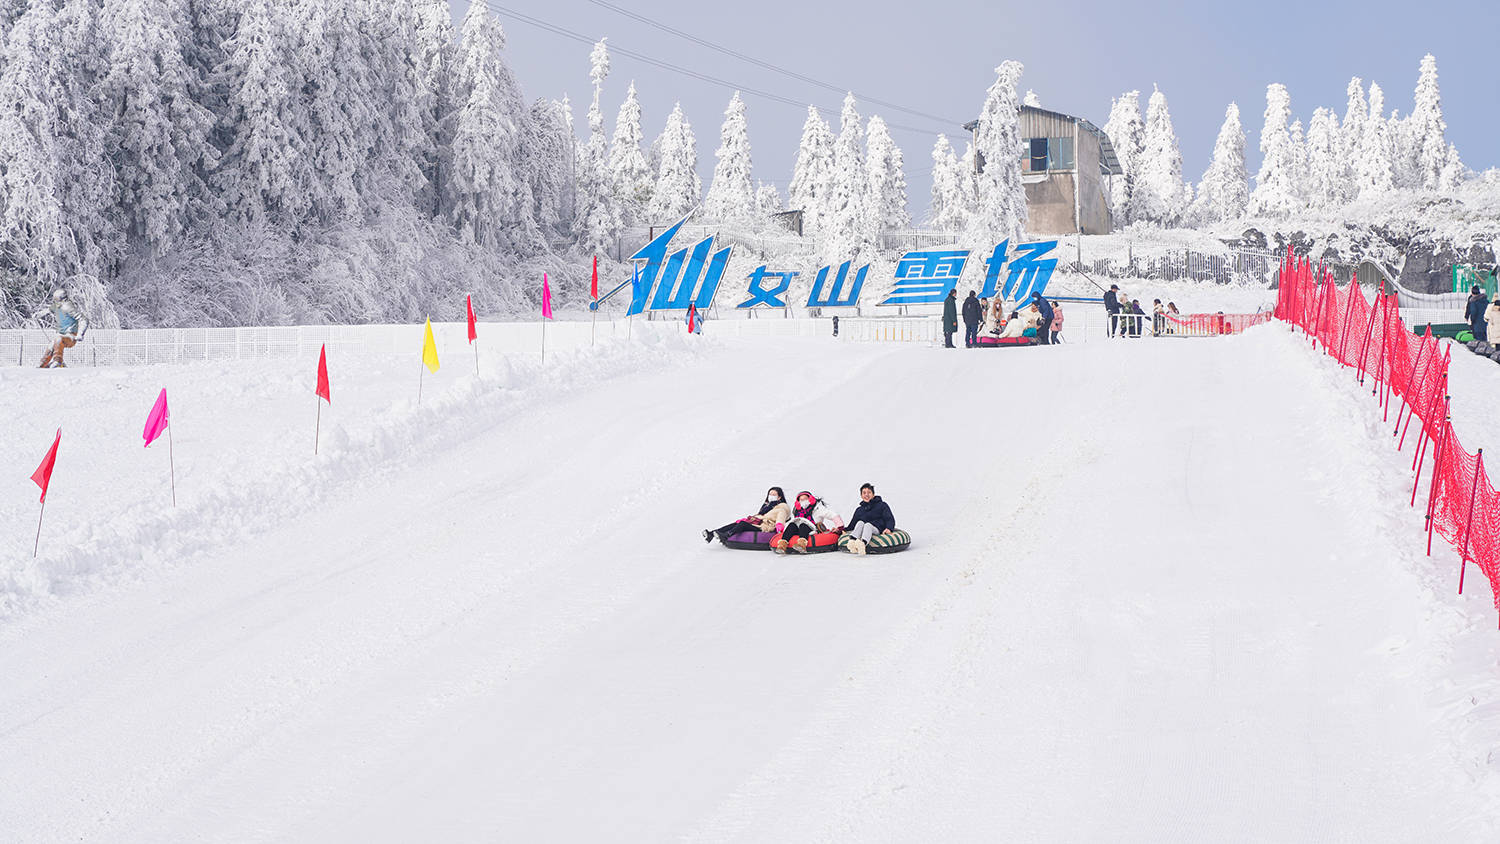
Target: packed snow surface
x,y
1159,590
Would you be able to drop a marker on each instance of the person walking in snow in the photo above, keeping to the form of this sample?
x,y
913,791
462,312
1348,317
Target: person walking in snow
x,y
773,511
972,313
1474,312
1057,322
1492,317
950,318
1137,316
1112,307
810,515
71,326
872,516
1044,328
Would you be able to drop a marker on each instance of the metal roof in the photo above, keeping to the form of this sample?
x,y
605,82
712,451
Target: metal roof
x,y
1109,162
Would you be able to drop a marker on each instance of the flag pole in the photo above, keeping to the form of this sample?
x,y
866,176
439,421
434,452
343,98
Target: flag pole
x,y
421,373
595,324
544,342
172,465
38,543
476,357
318,425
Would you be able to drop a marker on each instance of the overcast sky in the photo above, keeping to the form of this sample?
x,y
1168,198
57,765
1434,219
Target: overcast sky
x,y
938,57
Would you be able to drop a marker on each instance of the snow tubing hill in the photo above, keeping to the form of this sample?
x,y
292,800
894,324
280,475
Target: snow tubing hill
x,y
821,543
882,543
991,342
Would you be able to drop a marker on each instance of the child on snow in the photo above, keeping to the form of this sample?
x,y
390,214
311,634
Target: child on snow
x,y
809,516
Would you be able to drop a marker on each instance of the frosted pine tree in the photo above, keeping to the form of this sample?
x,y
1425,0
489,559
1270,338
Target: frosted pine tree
x,y
847,230
1275,192
491,202
887,190
1001,211
1454,173
731,196
813,173
678,187
1351,136
160,132
1427,129
949,205
1325,166
1158,187
1031,100
627,163
599,219
1297,141
1372,165
1127,134
1225,189
767,200
968,182
432,59
548,167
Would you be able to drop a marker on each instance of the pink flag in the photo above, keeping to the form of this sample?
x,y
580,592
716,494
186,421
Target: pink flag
x,y
546,298
156,420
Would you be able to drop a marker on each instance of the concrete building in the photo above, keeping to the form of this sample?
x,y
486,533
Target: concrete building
x,y
1064,165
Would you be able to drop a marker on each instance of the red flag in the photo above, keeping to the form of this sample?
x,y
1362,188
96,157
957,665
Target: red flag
x,y
323,391
594,283
692,318
469,306
43,473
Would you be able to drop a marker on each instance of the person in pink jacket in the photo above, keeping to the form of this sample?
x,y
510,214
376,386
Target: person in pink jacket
x,y
1057,320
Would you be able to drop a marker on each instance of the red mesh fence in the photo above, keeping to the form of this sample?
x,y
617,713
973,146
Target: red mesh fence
x,y
1209,325
1405,372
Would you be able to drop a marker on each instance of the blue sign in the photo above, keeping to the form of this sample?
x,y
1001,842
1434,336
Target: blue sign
x,y
677,288
837,296
1029,273
927,276
762,295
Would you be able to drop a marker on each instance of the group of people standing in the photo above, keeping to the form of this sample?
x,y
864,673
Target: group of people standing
x,y
1483,315
1038,318
1127,318
794,522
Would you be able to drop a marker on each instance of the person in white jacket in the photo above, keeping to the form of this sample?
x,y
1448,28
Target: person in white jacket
x,y
1492,322
809,515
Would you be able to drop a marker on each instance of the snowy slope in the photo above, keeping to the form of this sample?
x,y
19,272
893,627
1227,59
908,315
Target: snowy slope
x,y
1161,590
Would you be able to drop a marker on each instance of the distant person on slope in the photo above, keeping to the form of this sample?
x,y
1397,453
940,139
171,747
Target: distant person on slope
x,y
1044,327
809,516
772,512
1474,312
1492,316
950,318
1112,307
972,313
71,326
872,516
1137,317
1057,322
1158,319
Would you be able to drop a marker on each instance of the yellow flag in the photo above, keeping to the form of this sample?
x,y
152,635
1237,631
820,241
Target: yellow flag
x,y
429,350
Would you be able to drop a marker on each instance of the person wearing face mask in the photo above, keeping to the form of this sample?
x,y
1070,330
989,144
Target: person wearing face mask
x,y
773,511
809,516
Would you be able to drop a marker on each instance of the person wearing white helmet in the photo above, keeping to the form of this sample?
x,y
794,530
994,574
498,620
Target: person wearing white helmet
x,y
71,326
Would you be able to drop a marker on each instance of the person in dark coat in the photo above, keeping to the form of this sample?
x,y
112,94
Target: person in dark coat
x,y
1043,331
1138,317
950,318
1474,311
872,516
971,320
1112,307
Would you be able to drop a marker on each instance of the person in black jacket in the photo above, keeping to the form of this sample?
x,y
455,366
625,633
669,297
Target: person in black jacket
x,y
1112,307
950,318
971,320
1474,311
1043,331
872,516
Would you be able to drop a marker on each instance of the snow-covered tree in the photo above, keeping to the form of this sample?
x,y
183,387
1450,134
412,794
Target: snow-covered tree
x,y
1351,136
627,164
547,164
431,57
1373,170
887,189
1225,189
1275,191
813,173
950,209
1297,141
1032,99
491,202
1001,211
599,218
1159,191
731,196
160,132
847,232
678,187
1325,165
1127,134
767,200
1454,173
1427,129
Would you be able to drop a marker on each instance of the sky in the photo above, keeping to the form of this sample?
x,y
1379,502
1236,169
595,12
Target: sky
x,y
939,57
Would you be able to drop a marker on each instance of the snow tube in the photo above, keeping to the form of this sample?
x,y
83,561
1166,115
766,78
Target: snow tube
x,y
882,543
1471,344
990,341
756,541
1465,337
1484,349
1495,356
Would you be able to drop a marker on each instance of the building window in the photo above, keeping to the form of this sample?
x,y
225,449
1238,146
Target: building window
x,y
1060,154
1042,154
1037,160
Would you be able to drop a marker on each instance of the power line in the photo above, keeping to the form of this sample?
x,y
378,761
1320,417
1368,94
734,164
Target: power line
x,y
837,89
703,77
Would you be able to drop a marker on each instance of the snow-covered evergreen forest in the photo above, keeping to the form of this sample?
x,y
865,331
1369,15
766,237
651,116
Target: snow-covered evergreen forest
x,y
233,162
